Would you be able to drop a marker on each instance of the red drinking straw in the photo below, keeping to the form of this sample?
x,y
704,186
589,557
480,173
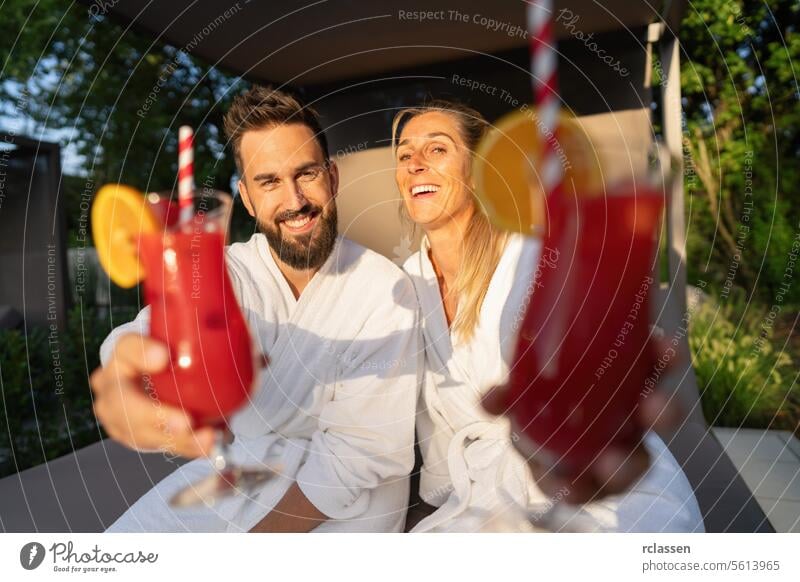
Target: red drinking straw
x,y
185,173
544,61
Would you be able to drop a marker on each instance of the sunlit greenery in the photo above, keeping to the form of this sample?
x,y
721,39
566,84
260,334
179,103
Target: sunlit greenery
x,y
745,377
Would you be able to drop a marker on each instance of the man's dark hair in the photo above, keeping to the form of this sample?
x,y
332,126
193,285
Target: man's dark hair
x,y
261,107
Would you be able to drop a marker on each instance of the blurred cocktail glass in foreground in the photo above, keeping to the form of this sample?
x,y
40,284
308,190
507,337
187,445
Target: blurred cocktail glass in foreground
x,y
193,310
584,348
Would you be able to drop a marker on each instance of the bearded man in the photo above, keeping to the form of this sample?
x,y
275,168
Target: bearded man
x,y
335,407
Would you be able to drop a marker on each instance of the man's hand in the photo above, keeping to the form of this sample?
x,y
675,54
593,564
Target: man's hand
x,y
614,471
131,414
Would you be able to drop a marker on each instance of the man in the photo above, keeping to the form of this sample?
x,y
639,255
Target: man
x,y
335,406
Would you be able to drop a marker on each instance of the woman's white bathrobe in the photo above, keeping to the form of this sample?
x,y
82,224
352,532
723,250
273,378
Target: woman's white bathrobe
x,y
470,468
335,408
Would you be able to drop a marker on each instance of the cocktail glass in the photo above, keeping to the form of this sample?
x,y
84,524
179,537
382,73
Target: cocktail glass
x,y
584,349
194,311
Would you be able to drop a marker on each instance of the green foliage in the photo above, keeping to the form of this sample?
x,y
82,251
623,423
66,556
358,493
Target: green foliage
x,y
45,399
742,151
742,143
120,95
745,379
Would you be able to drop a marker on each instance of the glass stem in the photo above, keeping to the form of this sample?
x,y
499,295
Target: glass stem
x,y
219,453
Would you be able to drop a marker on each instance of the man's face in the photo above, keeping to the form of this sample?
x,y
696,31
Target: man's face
x,y
289,187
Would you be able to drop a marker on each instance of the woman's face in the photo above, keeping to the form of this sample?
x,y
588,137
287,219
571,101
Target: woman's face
x,y
433,170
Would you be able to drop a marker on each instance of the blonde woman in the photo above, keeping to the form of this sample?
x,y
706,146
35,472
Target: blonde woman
x,y
472,282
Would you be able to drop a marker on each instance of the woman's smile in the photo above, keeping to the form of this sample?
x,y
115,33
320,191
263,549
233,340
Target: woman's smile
x,y
432,171
424,190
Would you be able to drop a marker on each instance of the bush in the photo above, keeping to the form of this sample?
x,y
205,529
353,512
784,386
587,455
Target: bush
x,y
745,380
45,399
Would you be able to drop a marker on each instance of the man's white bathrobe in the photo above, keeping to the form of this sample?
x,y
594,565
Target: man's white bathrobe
x,y
335,408
470,468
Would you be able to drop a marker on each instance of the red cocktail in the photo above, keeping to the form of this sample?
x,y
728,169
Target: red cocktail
x,y
195,312
584,348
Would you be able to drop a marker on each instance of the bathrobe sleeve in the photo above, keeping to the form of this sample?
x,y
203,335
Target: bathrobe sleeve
x,y
366,430
140,325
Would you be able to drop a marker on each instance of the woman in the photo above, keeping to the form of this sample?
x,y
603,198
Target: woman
x,y
472,282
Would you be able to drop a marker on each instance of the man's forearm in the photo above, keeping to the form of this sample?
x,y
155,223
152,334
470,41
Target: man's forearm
x,y
293,513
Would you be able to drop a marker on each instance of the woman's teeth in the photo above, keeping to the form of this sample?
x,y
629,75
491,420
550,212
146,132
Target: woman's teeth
x,y
424,189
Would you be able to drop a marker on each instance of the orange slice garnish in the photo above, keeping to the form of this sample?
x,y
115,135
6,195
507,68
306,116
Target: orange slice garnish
x,y
120,215
507,169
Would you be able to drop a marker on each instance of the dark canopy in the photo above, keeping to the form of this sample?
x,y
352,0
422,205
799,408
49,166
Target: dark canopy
x,y
311,43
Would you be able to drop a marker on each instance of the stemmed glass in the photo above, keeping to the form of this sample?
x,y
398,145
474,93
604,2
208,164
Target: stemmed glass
x,y
584,349
195,312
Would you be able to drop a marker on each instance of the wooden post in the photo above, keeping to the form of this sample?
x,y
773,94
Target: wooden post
x,y
676,223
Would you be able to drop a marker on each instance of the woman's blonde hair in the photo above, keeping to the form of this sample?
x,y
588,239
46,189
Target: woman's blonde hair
x,y
483,244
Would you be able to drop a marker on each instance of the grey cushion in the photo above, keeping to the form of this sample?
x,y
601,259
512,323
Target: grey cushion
x,y
82,492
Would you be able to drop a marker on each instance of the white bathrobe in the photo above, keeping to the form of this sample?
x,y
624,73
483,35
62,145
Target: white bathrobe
x,y
335,408
470,469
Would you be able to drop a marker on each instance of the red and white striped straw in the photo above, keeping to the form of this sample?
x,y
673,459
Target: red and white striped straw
x,y
544,61
185,172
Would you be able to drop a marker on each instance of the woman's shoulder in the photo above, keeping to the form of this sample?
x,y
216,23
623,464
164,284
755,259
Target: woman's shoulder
x,y
520,243
521,251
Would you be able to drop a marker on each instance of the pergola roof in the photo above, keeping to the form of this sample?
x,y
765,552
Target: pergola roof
x,y
311,43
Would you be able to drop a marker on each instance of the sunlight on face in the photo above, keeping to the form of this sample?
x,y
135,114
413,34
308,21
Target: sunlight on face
x,y
289,187
433,170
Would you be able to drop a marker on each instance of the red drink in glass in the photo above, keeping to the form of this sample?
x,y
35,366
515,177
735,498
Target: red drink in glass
x,y
164,208
195,312
584,349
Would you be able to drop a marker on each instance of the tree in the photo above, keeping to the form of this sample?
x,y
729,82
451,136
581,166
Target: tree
x,y
742,137
122,95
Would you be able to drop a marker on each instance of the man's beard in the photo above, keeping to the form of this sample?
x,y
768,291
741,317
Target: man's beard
x,y
309,250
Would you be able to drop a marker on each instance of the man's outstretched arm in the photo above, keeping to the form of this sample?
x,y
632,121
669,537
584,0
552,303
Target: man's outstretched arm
x,y
294,513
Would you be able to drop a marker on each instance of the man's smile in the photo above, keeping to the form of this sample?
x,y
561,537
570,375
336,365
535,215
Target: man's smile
x,y
302,223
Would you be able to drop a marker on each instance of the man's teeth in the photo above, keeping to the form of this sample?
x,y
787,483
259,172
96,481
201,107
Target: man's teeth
x,y
424,188
300,222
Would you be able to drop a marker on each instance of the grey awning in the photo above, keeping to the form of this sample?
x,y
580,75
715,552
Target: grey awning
x,y
312,43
